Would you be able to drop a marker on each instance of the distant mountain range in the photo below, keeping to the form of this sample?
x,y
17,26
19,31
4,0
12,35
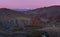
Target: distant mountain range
x,y
21,9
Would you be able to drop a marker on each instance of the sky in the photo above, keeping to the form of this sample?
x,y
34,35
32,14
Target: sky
x,y
29,4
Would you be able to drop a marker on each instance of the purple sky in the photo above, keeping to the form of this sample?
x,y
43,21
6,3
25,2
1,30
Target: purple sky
x,y
27,3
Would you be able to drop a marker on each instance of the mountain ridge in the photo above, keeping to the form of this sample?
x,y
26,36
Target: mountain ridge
x,y
47,12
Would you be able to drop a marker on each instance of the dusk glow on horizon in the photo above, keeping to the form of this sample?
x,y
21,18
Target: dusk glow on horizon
x,y
30,4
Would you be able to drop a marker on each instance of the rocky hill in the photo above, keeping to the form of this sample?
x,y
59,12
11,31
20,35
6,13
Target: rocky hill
x,y
10,13
9,18
45,12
